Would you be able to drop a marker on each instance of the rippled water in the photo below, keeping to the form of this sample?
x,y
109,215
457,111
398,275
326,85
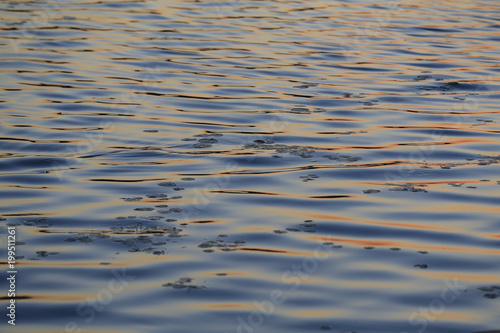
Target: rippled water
x,y
251,166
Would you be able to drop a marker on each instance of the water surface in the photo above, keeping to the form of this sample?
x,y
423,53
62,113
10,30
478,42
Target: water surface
x,y
251,166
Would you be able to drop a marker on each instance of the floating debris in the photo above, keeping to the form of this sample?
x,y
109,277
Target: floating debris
x,y
309,177
208,140
300,110
45,253
371,191
208,244
81,238
422,77
264,141
307,226
144,209
167,184
154,218
342,158
306,85
301,151
156,196
202,145
41,222
169,211
408,188
132,199
447,87
492,292
183,283
221,245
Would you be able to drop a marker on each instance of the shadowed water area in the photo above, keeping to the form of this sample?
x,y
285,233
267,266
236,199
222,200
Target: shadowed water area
x,y
251,166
